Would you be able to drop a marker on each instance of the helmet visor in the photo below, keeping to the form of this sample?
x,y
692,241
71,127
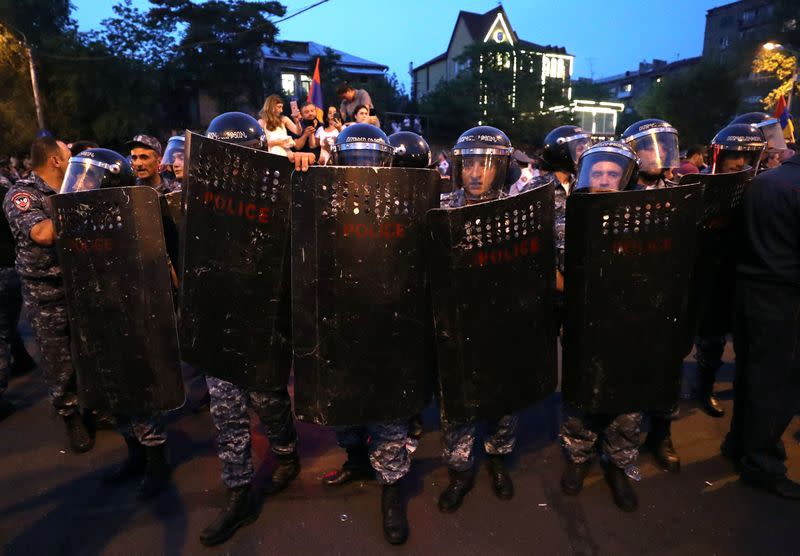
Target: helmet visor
x,y
657,151
482,175
726,161
603,171
175,147
773,134
83,174
577,144
362,157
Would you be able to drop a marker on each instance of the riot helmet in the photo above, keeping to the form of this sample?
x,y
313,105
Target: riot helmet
x,y
239,128
735,148
362,145
563,147
96,169
410,150
606,167
770,127
175,148
655,143
481,159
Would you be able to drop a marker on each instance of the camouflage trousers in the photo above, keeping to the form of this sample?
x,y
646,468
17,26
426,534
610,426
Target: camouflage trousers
x,y
47,311
148,430
229,405
10,305
458,440
708,353
387,445
620,437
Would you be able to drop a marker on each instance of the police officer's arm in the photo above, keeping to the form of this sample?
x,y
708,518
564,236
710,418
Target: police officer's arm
x,y
559,281
44,233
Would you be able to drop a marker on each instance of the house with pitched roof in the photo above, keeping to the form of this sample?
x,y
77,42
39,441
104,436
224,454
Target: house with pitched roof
x,y
552,63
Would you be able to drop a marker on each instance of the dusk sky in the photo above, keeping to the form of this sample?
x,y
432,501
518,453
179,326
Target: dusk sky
x,y
606,38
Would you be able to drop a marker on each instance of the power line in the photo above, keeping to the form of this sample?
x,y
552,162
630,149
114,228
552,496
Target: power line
x,y
187,46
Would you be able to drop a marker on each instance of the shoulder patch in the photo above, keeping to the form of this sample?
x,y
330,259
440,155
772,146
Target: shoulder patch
x,y
21,200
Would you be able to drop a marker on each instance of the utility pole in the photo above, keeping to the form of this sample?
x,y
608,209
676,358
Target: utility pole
x,y
37,97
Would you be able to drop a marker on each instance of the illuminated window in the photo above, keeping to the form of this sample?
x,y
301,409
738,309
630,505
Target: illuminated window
x,y
627,87
305,83
288,84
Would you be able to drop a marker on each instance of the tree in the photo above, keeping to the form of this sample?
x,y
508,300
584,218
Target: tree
x,y
451,107
698,101
780,66
220,50
17,114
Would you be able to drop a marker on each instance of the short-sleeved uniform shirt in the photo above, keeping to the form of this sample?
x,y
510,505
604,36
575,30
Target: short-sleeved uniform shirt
x,y
26,204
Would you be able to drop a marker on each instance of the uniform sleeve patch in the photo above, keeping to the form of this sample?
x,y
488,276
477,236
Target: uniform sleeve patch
x,y
22,201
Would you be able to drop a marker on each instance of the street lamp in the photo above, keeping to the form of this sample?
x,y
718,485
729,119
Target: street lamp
x,y
34,81
771,46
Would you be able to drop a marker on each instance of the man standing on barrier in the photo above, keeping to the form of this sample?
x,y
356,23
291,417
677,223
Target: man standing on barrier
x,y
28,210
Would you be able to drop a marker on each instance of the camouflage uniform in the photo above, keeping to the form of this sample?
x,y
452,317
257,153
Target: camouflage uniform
x,y
229,404
620,435
459,440
388,450
148,430
26,205
166,186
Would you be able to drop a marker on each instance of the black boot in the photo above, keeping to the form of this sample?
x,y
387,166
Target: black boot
x,y
156,472
624,496
356,468
79,439
395,523
659,441
573,477
240,510
132,466
287,469
460,484
502,485
708,401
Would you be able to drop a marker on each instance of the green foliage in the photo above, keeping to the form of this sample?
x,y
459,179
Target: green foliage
x,y
698,102
17,113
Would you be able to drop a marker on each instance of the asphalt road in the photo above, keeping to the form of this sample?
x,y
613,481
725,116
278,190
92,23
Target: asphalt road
x,y
53,502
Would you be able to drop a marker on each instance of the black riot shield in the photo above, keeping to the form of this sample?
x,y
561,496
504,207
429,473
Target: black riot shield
x,y
359,315
119,299
492,268
234,303
172,216
629,261
719,226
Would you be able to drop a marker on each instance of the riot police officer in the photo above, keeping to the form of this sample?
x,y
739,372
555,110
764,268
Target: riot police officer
x,y
410,150
563,147
733,148
481,159
29,215
387,452
770,128
230,403
173,159
655,142
605,167
145,435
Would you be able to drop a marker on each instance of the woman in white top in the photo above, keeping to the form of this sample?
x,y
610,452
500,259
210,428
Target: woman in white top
x,y
275,125
326,135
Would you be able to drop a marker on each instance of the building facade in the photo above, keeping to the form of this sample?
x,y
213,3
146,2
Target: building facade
x,y
551,65
737,29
